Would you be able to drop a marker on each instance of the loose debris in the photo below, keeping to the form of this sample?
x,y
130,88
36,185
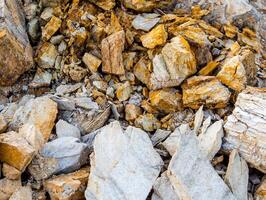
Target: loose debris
x,y
132,99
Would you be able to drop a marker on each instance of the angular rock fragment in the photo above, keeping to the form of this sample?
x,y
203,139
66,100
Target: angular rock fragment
x,y
91,62
68,186
159,136
40,112
233,74
145,21
41,79
10,172
112,58
104,4
198,119
188,170
204,90
123,91
131,157
237,176
147,122
64,129
23,193
132,112
8,187
14,43
155,37
146,6
15,150
261,191
245,128
3,124
166,100
46,55
51,27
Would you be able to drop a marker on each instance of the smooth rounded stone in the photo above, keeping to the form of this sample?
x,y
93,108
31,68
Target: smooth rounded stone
x,y
23,193
156,37
64,129
204,90
69,153
68,186
145,21
40,112
8,187
131,160
10,172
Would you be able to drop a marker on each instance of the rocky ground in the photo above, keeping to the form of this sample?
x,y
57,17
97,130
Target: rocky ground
x,y
132,100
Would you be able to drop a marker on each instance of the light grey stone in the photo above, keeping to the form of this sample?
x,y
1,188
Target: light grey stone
x,y
159,136
124,165
65,89
145,22
198,119
86,103
64,129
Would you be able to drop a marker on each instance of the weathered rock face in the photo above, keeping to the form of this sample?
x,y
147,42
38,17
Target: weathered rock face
x,y
145,21
23,193
261,191
112,58
40,112
145,6
204,90
64,129
106,5
8,187
186,175
14,43
11,172
245,128
68,186
130,156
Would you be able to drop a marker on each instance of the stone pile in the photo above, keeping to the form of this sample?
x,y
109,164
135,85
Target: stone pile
x,y
132,99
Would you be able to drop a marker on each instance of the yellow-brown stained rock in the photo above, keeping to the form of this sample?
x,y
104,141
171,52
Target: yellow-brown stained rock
x,y
132,112
204,90
104,4
68,186
261,191
141,70
15,150
51,27
233,74
112,48
166,100
123,91
92,62
3,124
209,68
11,172
146,5
247,58
8,187
147,122
230,30
46,55
155,37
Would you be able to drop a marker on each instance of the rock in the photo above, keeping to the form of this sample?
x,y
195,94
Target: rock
x,y
65,89
146,6
46,55
132,112
40,112
245,128
198,119
141,70
100,85
188,170
145,21
3,124
92,62
131,157
15,150
147,122
247,58
123,91
233,74
112,58
68,186
8,187
210,141
104,4
41,79
33,29
77,73
51,28
64,129
176,63
159,136
204,90
11,172
261,191
237,176
14,43
23,193
209,68
86,103
166,100
155,37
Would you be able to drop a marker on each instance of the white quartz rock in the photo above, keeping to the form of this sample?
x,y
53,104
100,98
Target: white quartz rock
x,y
124,165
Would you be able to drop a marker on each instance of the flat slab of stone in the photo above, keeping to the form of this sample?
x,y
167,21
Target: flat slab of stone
x,y
121,161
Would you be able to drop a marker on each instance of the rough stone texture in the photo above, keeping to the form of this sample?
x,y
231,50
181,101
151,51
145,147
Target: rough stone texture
x,y
247,58
10,172
146,6
245,128
131,160
155,37
46,55
166,100
3,124
261,191
112,58
236,176
145,21
132,112
147,122
204,90
188,170
68,186
233,74
23,193
92,62
64,129
8,187
15,150
174,65
14,43
123,91
51,27
104,4
40,112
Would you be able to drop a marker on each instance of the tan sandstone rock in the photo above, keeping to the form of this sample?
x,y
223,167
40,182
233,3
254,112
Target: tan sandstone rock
x,y
8,187
205,90
132,112
51,27
11,172
92,62
145,6
23,193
